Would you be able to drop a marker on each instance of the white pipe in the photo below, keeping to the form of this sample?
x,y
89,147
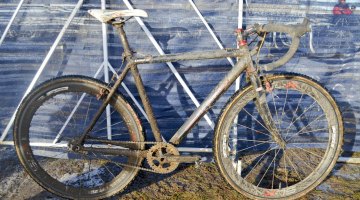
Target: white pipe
x,y
209,29
349,160
106,70
75,108
193,149
240,25
311,40
132,97
10,22
129,93
170,65
44,63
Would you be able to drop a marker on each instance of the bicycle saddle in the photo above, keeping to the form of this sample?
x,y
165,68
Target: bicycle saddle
x,y
107,15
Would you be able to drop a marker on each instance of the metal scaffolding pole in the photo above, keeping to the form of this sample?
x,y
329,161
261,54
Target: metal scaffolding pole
x,y
106,69
11,22
209,29
44,63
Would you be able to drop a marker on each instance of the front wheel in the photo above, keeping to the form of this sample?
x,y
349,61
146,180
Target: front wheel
x,y
55,114
307,118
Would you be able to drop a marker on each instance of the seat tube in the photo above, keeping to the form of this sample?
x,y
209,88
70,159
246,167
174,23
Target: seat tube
x,y
145,101
138,82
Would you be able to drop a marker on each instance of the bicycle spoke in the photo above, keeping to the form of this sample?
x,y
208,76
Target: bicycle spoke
x,y
105,165
256,120
286,172
312,122
98,130
262,141
283,109
87,114
89,169
99,123
297,106
276,113
262,155
273,178
303,128
306,118
301,159
312,153
313,131
71,107
268,167
292,165
254,130
308,108
100,178
250,147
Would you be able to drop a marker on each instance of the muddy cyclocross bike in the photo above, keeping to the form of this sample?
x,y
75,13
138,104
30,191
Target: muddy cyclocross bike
x,y
277,138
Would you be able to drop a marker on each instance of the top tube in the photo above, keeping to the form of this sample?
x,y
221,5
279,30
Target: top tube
x,y
201,55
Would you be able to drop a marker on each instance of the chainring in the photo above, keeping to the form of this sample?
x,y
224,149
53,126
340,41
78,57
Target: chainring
x,y
156,158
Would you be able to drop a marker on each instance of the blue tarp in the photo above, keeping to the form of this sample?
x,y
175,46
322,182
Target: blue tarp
x,y
333,58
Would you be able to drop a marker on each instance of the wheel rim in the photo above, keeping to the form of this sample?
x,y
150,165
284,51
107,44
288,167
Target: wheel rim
x,y
273,172
54,166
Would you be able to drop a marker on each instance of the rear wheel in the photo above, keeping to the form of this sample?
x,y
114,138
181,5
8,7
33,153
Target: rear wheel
x,y
56,113
306,117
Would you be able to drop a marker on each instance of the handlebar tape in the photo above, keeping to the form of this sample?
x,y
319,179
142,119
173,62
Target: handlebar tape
x,y
295,32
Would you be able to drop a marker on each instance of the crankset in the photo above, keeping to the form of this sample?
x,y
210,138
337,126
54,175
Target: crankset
x,y
164,158
157,158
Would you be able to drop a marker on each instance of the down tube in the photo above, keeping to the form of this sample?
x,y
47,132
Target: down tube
x,y
210,99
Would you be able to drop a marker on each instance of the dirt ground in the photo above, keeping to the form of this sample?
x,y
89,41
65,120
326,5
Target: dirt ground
x,y
187,182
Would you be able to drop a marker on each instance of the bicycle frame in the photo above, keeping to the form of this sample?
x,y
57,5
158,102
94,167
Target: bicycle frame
x,y
243,63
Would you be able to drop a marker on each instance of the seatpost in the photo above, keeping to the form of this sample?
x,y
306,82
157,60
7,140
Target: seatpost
x,y
123,39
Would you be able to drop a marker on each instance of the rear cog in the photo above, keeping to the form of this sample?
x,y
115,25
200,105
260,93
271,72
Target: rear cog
x,y
156,158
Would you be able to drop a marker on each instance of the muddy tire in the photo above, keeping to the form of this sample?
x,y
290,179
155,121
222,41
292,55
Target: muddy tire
x,y
54,114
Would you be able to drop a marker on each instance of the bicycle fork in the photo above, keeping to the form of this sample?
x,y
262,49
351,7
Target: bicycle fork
x,y
263,108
